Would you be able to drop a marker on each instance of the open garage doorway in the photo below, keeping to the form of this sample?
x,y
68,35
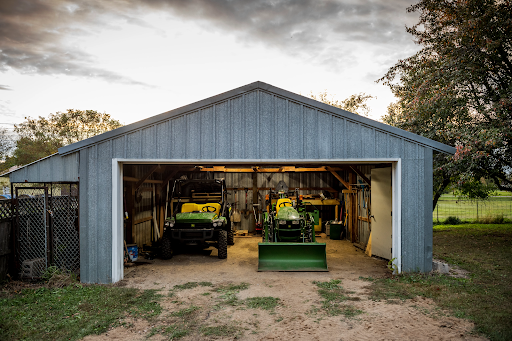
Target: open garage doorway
x,y
343,185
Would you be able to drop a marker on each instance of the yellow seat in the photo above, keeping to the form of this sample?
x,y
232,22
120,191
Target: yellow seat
x,y
213,204
190,207
283,202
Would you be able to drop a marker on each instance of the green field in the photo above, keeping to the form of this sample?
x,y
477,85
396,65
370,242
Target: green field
x,y
473,210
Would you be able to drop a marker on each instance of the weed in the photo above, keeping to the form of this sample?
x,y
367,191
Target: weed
x,y
186,312
266,303
333,294
222,330
176,331
228,294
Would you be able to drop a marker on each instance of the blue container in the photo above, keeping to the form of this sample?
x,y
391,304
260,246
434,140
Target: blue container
x,y
133,252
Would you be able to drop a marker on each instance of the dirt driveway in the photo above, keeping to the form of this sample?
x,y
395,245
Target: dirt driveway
x,y
209,310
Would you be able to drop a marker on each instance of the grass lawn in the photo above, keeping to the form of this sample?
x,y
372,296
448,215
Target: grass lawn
x,y
71,312
485,296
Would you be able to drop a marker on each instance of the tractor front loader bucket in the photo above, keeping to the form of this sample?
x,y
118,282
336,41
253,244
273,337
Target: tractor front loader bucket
x,y
292,257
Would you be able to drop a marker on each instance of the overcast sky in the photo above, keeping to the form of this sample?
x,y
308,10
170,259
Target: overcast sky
x,y
136,59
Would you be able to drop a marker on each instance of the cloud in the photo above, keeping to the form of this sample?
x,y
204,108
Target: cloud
x,y
32,39
35,34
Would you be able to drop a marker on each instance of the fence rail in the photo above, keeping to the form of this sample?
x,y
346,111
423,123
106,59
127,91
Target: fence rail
x,y
473,210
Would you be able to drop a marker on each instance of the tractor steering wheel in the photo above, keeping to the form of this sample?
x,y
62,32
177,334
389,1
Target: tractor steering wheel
x,y
283,204
207,209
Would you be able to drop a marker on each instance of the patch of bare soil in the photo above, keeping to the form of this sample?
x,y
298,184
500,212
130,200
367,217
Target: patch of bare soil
x,y
212,312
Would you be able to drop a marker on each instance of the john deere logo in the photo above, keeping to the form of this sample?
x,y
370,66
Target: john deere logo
x,y
193,225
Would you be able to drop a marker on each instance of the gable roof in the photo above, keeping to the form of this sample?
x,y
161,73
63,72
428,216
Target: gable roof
x,y
268,88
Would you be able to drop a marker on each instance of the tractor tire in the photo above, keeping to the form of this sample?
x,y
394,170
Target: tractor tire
x,y
166,251
223,245
231,237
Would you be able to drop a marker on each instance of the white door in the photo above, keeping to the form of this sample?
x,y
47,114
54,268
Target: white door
x,y
381,223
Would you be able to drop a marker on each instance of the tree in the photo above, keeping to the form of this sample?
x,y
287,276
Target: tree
x,y
458,89
41,137
6,148
356,103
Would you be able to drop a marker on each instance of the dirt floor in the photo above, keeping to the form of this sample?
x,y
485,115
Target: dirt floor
x,y
299,316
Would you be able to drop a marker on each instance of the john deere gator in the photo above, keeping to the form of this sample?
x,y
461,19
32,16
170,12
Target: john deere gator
x,y
289,242
201,217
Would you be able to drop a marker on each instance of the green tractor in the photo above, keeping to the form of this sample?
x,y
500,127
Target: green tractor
x,y
201,218
289,242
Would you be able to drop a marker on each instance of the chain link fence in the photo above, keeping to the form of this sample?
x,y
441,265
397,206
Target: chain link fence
x,y
47,229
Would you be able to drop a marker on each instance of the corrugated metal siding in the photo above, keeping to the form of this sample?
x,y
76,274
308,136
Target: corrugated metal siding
x,y
55,168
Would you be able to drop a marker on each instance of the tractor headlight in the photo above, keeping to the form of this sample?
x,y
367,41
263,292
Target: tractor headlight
x,y
282,222
295,222
171,224
215,224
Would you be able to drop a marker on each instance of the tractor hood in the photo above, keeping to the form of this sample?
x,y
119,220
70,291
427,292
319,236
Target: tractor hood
x,y
288,213
197,217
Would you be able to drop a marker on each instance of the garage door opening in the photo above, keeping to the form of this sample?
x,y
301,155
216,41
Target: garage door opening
x,y
353,193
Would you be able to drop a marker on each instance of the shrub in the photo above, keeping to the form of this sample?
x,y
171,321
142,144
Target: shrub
x,y
452,221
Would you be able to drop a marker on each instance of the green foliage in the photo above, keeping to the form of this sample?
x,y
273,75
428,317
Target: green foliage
x,y
483,295
41,137
356,103
458,89
452,221
72,312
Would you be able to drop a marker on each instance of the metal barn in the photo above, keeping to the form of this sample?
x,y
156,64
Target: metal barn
x,y
253,136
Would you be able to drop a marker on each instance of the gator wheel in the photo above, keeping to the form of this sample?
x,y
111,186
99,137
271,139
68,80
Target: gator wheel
x,y
231,237
223,244
166,248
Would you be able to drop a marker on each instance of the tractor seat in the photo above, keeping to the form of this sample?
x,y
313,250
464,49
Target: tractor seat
x,y
213,204
190,207
283,202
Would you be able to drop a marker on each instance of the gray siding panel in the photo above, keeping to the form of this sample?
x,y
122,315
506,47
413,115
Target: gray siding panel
x,y
208,133
55,168
149,146
237,124
295,127
353,143
133,145
368,142
103,204
250,125
281,128
223,133
193,136
163,140
339,138
324,135
266,131
179,134
428,169
310,140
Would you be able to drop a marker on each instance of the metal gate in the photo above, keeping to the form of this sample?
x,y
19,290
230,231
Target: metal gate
x,y
47,229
